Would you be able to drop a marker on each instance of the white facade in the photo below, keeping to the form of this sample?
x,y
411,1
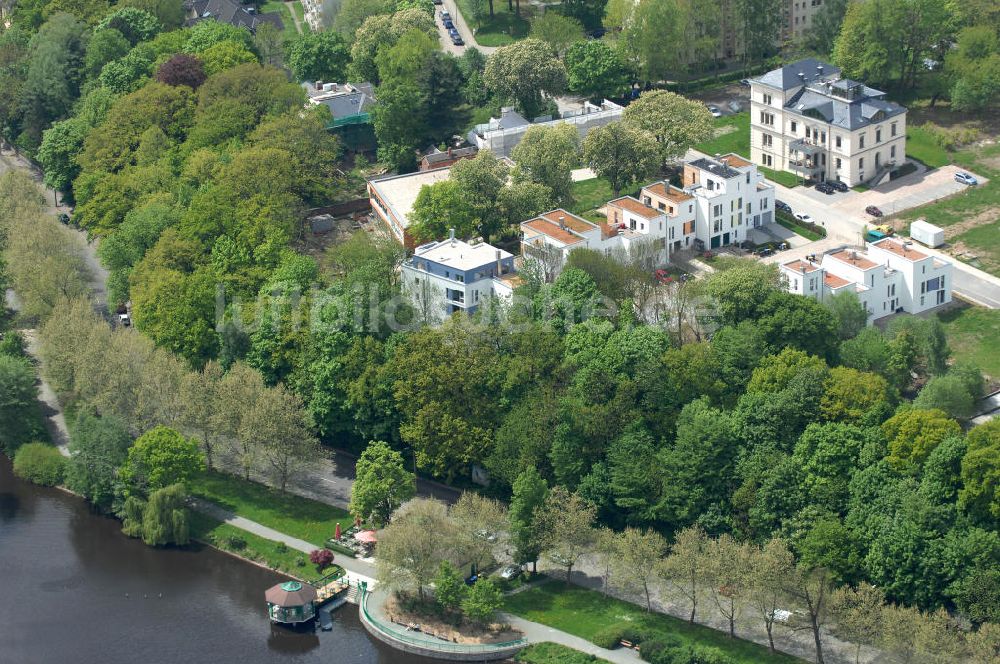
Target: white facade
x,y
501,135
721,201
890,277
807,120
451,275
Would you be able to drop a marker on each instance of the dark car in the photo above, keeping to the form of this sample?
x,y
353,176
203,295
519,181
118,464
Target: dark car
x,y
838,185
63,218
438,2
456,39
745,82
824,187
782,205
873,211
448,24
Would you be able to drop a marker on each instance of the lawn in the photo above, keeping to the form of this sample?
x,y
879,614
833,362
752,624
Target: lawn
x,y
781,177
974,335
920,145
286,18
794,225
229,538
503,28
976,208
590,194
293,515
554,653
732,134
584,612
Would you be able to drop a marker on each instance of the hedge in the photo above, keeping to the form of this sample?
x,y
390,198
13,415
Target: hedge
x,y
40,463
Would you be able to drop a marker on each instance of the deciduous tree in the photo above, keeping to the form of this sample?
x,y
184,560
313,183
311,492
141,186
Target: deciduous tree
x,y
620,154
566,522
522,73
381,485
161,457
546,156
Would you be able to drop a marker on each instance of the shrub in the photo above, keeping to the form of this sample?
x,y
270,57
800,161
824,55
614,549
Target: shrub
x,y
608,637
639,633
281,547
40,463
12,343
661,649
234,542
321,558
300,562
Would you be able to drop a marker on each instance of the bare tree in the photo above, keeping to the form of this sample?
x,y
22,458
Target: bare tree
x,y
278,427
811,587
239,390
567,524
482,525
411,548
859,614
638,556
769,567
199,392
685,567
729,572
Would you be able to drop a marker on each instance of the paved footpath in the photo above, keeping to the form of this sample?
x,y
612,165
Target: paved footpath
x,y
357,570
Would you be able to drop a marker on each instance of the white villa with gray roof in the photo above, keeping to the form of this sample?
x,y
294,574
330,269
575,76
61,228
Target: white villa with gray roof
x,y
806,119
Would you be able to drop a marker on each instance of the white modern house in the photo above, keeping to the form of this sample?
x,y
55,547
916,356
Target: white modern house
x,y
392,198
807,120
452,275
501,135
890,277
721,201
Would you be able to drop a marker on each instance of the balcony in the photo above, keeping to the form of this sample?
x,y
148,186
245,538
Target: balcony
x,y
806,146
805,167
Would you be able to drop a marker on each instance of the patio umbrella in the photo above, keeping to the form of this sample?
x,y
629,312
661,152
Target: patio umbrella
x,y
366,536
336,533
290,593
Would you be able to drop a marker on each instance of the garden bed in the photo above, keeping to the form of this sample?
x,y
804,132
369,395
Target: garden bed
x,y
425,616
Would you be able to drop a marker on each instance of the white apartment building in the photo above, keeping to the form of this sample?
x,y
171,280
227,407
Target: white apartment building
x,y
721,201
806,119
890,277
451,275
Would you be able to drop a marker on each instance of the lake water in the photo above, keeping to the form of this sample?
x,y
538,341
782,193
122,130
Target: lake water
x,y
74,589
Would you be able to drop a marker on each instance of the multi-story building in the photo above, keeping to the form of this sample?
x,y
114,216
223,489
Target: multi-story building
x,y
806,119
799,17
451,275
721,201
501,135
890,277
392,198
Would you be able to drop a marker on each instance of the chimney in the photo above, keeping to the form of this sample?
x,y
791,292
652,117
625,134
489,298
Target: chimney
x,y
819,68
451,236
499,266
318,85
562,222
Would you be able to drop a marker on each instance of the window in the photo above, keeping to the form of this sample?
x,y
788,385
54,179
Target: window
x,y
767,118
795,126
767,98
839,162
892,152
892,129
861,163
647,200
808,132
711,185
748,178
836,141
795,284
717,210
822,137
878,135
767,141
748,208
763,204
861,142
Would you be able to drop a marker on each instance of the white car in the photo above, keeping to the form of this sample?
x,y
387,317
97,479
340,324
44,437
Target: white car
x,y
965,178
804,217
714,110
510,572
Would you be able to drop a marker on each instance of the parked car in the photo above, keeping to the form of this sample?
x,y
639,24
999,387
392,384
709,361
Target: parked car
x,y
965,178
714,110
445,16
456,39
663,276
438,2
64,218
745,82
124,320
735,106
824,187
782,205
448,24
838,185
471,581
805,217
873,211
510,572
763,251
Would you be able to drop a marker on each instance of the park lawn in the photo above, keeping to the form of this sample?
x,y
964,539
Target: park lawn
x,y
732,135
783,178
306,519
220,535
503,28
584,612
290,33
920,145
554,653
589,195
974,335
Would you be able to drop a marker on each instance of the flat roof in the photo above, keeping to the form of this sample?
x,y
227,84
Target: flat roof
x,y
735,160
399,192
663,191
898,248
546,227
799,265
636,207
854,258
460,255
715,167
833,281
570,220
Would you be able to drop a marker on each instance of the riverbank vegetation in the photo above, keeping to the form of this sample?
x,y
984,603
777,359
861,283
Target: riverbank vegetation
x,y
555,653
274,555
293,515
40,463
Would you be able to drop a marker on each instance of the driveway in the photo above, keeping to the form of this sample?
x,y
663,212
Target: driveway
x,y
463,29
